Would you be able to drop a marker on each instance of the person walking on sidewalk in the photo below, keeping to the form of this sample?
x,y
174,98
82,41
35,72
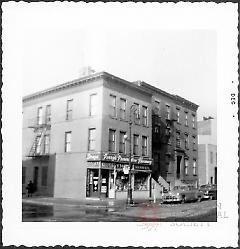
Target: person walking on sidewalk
x,y
30,188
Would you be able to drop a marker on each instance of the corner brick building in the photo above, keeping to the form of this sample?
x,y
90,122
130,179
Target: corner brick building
x,y
76,139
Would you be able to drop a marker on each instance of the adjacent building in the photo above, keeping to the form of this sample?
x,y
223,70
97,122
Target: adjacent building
x,y
76,139
207,150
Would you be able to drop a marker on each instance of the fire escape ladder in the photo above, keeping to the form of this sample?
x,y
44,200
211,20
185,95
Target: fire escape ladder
x,y
38,140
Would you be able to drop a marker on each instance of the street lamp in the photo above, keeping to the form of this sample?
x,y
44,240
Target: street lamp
x,y
129,191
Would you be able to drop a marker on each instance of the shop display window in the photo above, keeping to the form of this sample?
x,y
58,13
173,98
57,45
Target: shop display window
x,y
121,181
141,181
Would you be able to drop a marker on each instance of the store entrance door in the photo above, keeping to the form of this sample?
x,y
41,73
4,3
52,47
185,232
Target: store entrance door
x,y
112,187
93,183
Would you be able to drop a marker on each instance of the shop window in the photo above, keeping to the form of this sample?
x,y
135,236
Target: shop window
x,y
93,105
123,109
23,175
122,181
48,114
44,175
69,109
46,144
141,181
144,115
135,144
68,138
40,116
144,146
122,142
112,140
113,103
91,139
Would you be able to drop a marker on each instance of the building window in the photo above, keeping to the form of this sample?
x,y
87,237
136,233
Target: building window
x,y
68,138
112,140
186,167
122,142
156,129
194,167
145,115
178,141
194,142
44,175
211,157
23,175
186,118
135,144
91,139
178,116
113,104
193,121
38,145
186,141
48,114
46,144
69,109
144,146
168,112
123,109
39,116
157,108
136,113
93,105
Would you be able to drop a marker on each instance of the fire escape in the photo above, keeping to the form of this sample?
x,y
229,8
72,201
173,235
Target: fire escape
x,y
163,132
41,128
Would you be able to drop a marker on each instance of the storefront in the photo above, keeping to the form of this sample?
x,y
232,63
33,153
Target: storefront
x,y
108,175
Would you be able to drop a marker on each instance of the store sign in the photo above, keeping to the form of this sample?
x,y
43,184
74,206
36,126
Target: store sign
x,y
141,167
118,158
143,160
93,156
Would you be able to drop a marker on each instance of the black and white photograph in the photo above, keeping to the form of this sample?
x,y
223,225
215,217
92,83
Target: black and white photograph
x,y
124,120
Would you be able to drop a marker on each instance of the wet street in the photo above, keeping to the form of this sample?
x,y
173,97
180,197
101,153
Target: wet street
x,y
204,211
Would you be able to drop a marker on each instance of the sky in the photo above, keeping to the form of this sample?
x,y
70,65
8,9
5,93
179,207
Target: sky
x,y
181,61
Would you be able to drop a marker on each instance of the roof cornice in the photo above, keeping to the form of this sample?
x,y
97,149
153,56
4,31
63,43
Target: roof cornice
x,y
63,86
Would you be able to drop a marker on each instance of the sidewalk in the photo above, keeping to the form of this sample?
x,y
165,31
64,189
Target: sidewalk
x,y
89,202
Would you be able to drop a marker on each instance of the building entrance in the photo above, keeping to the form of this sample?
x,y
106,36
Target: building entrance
x,y
179,159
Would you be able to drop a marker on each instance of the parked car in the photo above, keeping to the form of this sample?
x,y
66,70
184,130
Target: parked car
x,y
209,191
183,194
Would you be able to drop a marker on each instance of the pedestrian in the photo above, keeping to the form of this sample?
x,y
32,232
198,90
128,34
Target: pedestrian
x,y
30,188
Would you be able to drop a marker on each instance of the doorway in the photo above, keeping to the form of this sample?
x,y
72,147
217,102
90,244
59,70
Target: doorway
x,y
179,159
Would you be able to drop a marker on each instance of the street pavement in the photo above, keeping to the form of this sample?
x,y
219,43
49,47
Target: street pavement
x,y
58,209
